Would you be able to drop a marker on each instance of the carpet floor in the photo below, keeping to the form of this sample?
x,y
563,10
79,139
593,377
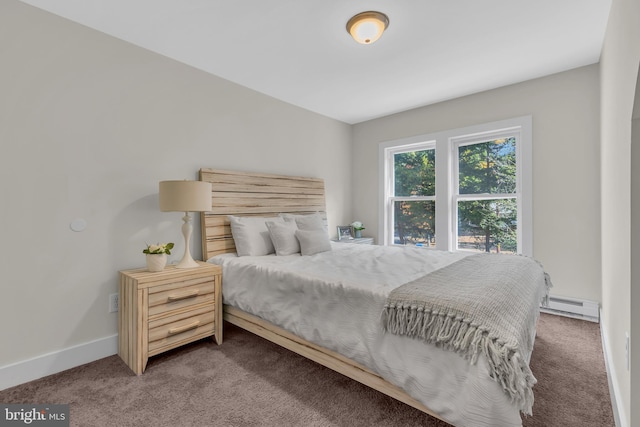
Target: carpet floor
x,y
248,381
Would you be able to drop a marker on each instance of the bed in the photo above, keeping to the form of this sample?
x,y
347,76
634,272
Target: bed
x,y
350,338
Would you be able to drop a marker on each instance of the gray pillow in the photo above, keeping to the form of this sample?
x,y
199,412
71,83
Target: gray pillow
x,y
251,235
313,241
283,237
313,221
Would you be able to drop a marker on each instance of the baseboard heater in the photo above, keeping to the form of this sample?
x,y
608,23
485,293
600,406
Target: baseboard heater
x,y
572,307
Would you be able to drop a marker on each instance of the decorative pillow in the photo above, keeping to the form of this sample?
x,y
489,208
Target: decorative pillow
x,y
313,241
308,222
283,237
251,235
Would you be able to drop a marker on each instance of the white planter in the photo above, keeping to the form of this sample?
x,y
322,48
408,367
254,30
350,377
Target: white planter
x,y
156,262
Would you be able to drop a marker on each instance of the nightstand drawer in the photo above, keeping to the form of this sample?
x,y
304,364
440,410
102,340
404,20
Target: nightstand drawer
x,y
181,295
170,331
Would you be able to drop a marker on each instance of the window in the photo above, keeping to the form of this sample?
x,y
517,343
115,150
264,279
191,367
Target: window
x,y
464,189
414,194
485,194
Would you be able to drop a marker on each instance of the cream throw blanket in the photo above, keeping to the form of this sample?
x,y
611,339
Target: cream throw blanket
x,y
483,303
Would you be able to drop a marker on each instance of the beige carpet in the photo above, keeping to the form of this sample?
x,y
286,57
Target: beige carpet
x,y
251,382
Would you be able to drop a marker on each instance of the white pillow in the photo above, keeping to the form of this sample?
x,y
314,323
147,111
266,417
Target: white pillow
x,y
251,235
283,237
308,222
313,241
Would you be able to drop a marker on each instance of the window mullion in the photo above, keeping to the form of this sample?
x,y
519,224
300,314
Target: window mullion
x,y
485,196
412,198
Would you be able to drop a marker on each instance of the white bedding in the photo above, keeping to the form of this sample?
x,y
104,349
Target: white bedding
x,y
335,299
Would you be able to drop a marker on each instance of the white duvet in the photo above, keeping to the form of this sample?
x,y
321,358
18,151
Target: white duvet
x,y
334,299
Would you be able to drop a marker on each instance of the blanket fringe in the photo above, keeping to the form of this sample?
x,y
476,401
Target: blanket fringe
x,y
454,333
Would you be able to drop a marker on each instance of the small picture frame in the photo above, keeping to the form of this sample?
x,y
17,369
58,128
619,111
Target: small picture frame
x,y
345,232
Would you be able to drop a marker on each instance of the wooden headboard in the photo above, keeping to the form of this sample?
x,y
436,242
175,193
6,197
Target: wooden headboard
x,y
246,194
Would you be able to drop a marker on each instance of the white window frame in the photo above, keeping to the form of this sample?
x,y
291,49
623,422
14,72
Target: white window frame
x,y
389,171
446,144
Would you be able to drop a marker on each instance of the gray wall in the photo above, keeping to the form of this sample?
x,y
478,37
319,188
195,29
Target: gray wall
x,y
566,202
88,127
619,74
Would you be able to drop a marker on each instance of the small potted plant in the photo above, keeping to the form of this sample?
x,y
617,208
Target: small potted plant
x,y
157,256
357,229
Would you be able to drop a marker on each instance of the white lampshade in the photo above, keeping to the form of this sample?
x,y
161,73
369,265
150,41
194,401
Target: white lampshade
x,y
185,196
367,27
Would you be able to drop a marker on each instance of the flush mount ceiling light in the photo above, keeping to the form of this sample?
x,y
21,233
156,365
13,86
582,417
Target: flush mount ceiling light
x,y
367,27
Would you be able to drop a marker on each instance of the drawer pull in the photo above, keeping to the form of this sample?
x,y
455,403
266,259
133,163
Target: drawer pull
x,y
192,294
185,328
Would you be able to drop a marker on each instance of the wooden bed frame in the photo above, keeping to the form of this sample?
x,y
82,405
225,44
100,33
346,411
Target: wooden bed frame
x,y
246,194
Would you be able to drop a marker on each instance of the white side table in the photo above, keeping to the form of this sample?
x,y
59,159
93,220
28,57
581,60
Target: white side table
x,y
359,241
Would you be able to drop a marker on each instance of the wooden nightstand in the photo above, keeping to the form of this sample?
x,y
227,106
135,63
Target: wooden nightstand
x,y
163,310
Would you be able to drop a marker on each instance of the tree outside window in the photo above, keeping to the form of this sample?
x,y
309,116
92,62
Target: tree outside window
x,y
487,205
414,204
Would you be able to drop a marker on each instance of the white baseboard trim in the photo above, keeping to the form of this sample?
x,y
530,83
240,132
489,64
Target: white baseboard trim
x,y
614,387
57,361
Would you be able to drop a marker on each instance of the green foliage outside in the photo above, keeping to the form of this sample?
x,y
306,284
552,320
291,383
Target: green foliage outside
x,y
415,175
489,168
484,168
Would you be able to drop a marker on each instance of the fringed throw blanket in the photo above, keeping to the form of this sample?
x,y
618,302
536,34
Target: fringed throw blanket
x,y
483,303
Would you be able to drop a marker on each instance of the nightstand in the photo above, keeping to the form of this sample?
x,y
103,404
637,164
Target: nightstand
x,y
164,310
360,241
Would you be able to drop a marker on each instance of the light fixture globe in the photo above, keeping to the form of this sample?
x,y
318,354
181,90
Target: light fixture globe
x,y
367,27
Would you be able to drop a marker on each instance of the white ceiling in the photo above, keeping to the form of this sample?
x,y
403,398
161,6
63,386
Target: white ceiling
x,y
300,52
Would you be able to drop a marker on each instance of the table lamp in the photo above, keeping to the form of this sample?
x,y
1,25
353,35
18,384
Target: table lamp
x,y
185,196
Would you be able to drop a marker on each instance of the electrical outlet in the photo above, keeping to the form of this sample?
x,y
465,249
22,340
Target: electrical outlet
x,y
114,303
627,345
